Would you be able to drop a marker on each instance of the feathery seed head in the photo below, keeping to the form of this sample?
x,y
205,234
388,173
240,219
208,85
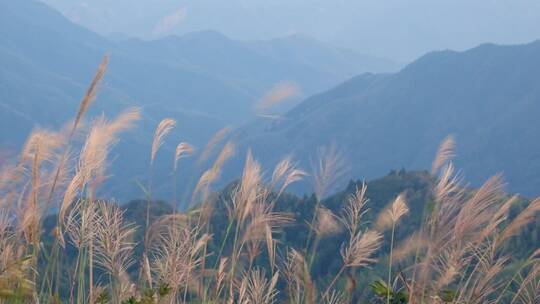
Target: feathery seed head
x,y
164,127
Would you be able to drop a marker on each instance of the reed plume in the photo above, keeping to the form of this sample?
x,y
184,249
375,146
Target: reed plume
x,y
286,173
389,217
354,210
521,220
93,156
113,246
175,255
91,92
528,291
280,93
392,214
212,174
478,211
411,245
221,276
256,288
444,154
358,253
79,224
326,223
162,224
164,127
182,150
335,298
214,140
329,167
296,273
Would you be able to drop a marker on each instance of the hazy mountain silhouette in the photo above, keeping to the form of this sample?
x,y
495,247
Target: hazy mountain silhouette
x,y
402,30
204,80
487,97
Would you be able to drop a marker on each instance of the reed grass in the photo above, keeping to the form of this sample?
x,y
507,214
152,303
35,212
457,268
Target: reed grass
x,y
458,255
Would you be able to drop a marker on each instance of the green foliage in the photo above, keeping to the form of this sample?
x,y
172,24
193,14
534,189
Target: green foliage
x,y
386,295
149,295
163,289
103,297
448,295
14,284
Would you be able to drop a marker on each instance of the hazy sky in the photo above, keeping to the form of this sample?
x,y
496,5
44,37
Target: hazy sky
x,y
397,29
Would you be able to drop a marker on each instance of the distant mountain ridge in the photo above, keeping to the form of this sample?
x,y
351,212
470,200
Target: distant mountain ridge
x,y
175,72
487,97
253,65
203,80
402,30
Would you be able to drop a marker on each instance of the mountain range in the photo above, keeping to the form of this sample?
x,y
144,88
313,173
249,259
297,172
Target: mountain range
x,y
45,56
402,29
203,80
488,98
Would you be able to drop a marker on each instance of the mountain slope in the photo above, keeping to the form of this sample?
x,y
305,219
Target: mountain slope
x,y
48,61
203,80
487,97
256,66
303,49
44,55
